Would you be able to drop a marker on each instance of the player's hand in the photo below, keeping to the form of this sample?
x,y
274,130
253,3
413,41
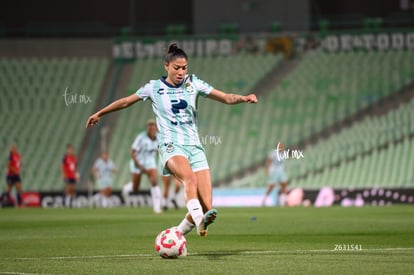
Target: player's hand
x,y
92,120
251,98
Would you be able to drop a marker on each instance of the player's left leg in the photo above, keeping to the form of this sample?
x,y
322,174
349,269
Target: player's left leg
x,y
283,193
107,192
268,191
136,181
18,186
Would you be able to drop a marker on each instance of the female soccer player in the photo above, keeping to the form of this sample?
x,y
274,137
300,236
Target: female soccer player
x,y
143,162
13,174
103,169
275,171
173,101
70,175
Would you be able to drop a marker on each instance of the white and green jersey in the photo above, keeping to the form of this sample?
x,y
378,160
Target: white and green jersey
x,y
145,149
104,168
277,160
175,108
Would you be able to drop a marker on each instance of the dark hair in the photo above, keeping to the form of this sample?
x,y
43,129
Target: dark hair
x,y
174,52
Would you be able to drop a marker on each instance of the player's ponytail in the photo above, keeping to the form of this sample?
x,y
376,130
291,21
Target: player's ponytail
x,y
174,52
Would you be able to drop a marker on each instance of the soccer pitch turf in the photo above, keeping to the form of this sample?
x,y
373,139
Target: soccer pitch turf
x,y
241,241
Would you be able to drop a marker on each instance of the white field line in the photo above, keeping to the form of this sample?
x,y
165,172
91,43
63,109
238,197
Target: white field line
x,y
252,252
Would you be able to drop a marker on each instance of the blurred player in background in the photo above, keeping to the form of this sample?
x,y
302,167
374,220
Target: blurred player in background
x,y
173,100
126,191
143,162
177,186
13,175
275,172
103,169
70,175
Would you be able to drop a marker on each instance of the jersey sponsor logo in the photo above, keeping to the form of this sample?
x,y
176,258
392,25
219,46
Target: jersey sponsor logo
x,y
177,105
160,91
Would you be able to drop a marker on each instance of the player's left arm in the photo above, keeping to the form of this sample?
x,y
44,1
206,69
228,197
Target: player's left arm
x,y
231,98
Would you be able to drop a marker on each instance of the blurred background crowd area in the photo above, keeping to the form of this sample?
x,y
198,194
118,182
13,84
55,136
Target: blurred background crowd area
x,y
334,80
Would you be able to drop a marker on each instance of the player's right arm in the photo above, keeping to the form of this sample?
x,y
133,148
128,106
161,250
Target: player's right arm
x,y
136,162
94,169
114,106
62,168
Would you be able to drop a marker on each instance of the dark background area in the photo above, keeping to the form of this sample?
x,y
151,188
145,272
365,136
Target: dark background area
x,y
108,18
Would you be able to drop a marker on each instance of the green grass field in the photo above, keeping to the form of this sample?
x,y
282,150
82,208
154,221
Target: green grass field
x,y
242,241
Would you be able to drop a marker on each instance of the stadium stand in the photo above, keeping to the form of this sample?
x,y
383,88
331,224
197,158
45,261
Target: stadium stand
x,y
43,104
327,88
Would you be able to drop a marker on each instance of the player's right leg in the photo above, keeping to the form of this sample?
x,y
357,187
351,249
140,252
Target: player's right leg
x,y
136,181
155,190
179,166
9,186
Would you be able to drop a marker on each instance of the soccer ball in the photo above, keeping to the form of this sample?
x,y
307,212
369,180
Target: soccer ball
x,y
171,244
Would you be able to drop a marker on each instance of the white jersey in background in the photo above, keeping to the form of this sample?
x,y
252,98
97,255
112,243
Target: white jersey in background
x,y
104,168
277,160
145,150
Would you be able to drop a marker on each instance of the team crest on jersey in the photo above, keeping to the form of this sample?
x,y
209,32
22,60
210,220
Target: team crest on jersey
x,y
170,148
189,88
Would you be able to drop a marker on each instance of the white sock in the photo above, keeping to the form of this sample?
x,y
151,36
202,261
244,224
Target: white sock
x,y
174,196
264,200
282,199
195,210
105,202
185,226
97,199
68,201
165,202
156,198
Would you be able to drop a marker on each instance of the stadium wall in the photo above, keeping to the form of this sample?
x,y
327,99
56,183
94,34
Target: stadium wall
x,y
252,197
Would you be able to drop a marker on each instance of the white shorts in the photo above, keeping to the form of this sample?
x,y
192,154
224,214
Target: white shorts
x,y
104,182
277,176
147,165
194,153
